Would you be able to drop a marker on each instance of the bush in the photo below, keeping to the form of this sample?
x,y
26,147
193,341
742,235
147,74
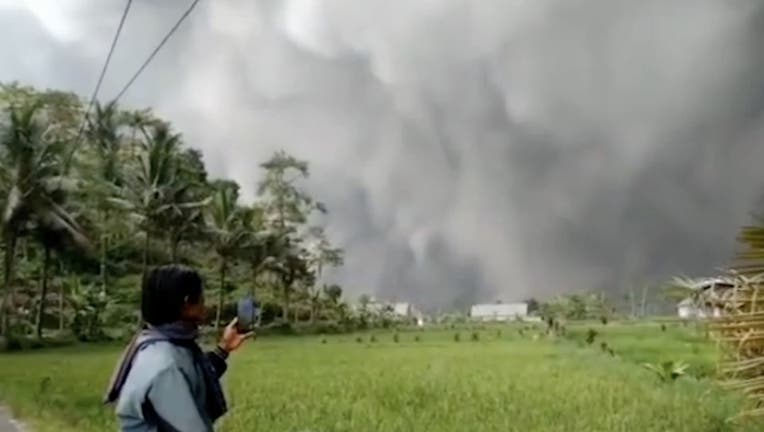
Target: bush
x,y
417,338
11,343
396,338
475,336
373,339
591,334
457,337
278,327
18,343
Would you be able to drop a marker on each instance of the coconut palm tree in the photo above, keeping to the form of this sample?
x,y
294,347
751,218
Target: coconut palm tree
x,y
103,134
186,222
151,186
34,188
227,232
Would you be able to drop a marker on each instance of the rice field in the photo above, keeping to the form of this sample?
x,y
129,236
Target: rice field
x,y
490,379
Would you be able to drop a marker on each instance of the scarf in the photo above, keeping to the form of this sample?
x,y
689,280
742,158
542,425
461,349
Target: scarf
x,y
179,334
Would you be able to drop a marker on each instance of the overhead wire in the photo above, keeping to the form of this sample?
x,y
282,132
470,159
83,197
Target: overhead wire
x,y
156,50
105,67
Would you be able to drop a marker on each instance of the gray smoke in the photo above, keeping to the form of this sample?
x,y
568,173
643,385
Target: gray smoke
x,y
467,150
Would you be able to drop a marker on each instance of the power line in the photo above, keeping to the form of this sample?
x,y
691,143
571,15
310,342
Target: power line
x,y
103,70
156,50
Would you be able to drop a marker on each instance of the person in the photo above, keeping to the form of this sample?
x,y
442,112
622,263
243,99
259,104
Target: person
x,y
164,382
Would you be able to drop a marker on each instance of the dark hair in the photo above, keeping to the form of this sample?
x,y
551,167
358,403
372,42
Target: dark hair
x,y
165,290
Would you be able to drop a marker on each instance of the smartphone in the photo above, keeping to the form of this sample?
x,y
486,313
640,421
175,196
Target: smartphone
x,y
248,313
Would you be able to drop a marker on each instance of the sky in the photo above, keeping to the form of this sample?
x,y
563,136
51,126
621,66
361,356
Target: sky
x,y
468,151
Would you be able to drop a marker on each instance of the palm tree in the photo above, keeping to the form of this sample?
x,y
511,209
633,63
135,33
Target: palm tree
x,y
103,134
185,218
53,237
261,246
34,189
227,232
152,186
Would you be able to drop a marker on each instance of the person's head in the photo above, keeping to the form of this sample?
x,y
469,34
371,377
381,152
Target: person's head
x,y
172,293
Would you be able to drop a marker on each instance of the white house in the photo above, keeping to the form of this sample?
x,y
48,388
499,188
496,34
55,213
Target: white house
x,y
499,311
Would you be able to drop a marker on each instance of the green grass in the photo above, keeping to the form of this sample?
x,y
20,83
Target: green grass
x,y
499,383
646,343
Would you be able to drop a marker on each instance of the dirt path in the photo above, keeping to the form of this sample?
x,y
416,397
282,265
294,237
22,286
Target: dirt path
x,y
7,424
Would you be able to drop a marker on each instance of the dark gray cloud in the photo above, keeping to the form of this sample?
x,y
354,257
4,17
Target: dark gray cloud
x,y
468,150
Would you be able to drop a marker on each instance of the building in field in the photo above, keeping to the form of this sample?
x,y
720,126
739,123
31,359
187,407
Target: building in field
x,y
499,311
395,311
408,312
706,300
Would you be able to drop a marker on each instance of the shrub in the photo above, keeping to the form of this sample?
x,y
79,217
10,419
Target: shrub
x,y
457,337
475,336
590,336
396,338
668,371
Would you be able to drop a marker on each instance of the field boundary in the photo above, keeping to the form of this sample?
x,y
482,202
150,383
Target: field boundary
x,y
8,423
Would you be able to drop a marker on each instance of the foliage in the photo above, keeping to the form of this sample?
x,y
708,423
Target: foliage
x,y
128,181
668,371
522,385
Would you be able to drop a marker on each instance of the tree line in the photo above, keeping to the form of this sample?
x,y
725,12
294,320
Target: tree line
x,y
91,202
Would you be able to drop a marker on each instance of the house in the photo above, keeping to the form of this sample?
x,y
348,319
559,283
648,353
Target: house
x,y
401,311
408,312
499,311
707,299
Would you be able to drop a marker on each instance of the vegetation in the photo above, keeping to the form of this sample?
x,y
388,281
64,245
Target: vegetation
x,y
507,383
89,204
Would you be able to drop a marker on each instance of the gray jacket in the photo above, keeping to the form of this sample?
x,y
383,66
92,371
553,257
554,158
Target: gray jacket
x,y
165,391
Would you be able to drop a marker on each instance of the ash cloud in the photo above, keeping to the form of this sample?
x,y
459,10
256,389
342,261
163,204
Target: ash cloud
x,y
467,150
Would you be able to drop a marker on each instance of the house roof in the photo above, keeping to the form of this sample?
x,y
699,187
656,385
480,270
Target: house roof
x,y
707,283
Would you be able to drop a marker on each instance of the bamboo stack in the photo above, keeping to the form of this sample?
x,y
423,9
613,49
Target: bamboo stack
x,y
740,331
